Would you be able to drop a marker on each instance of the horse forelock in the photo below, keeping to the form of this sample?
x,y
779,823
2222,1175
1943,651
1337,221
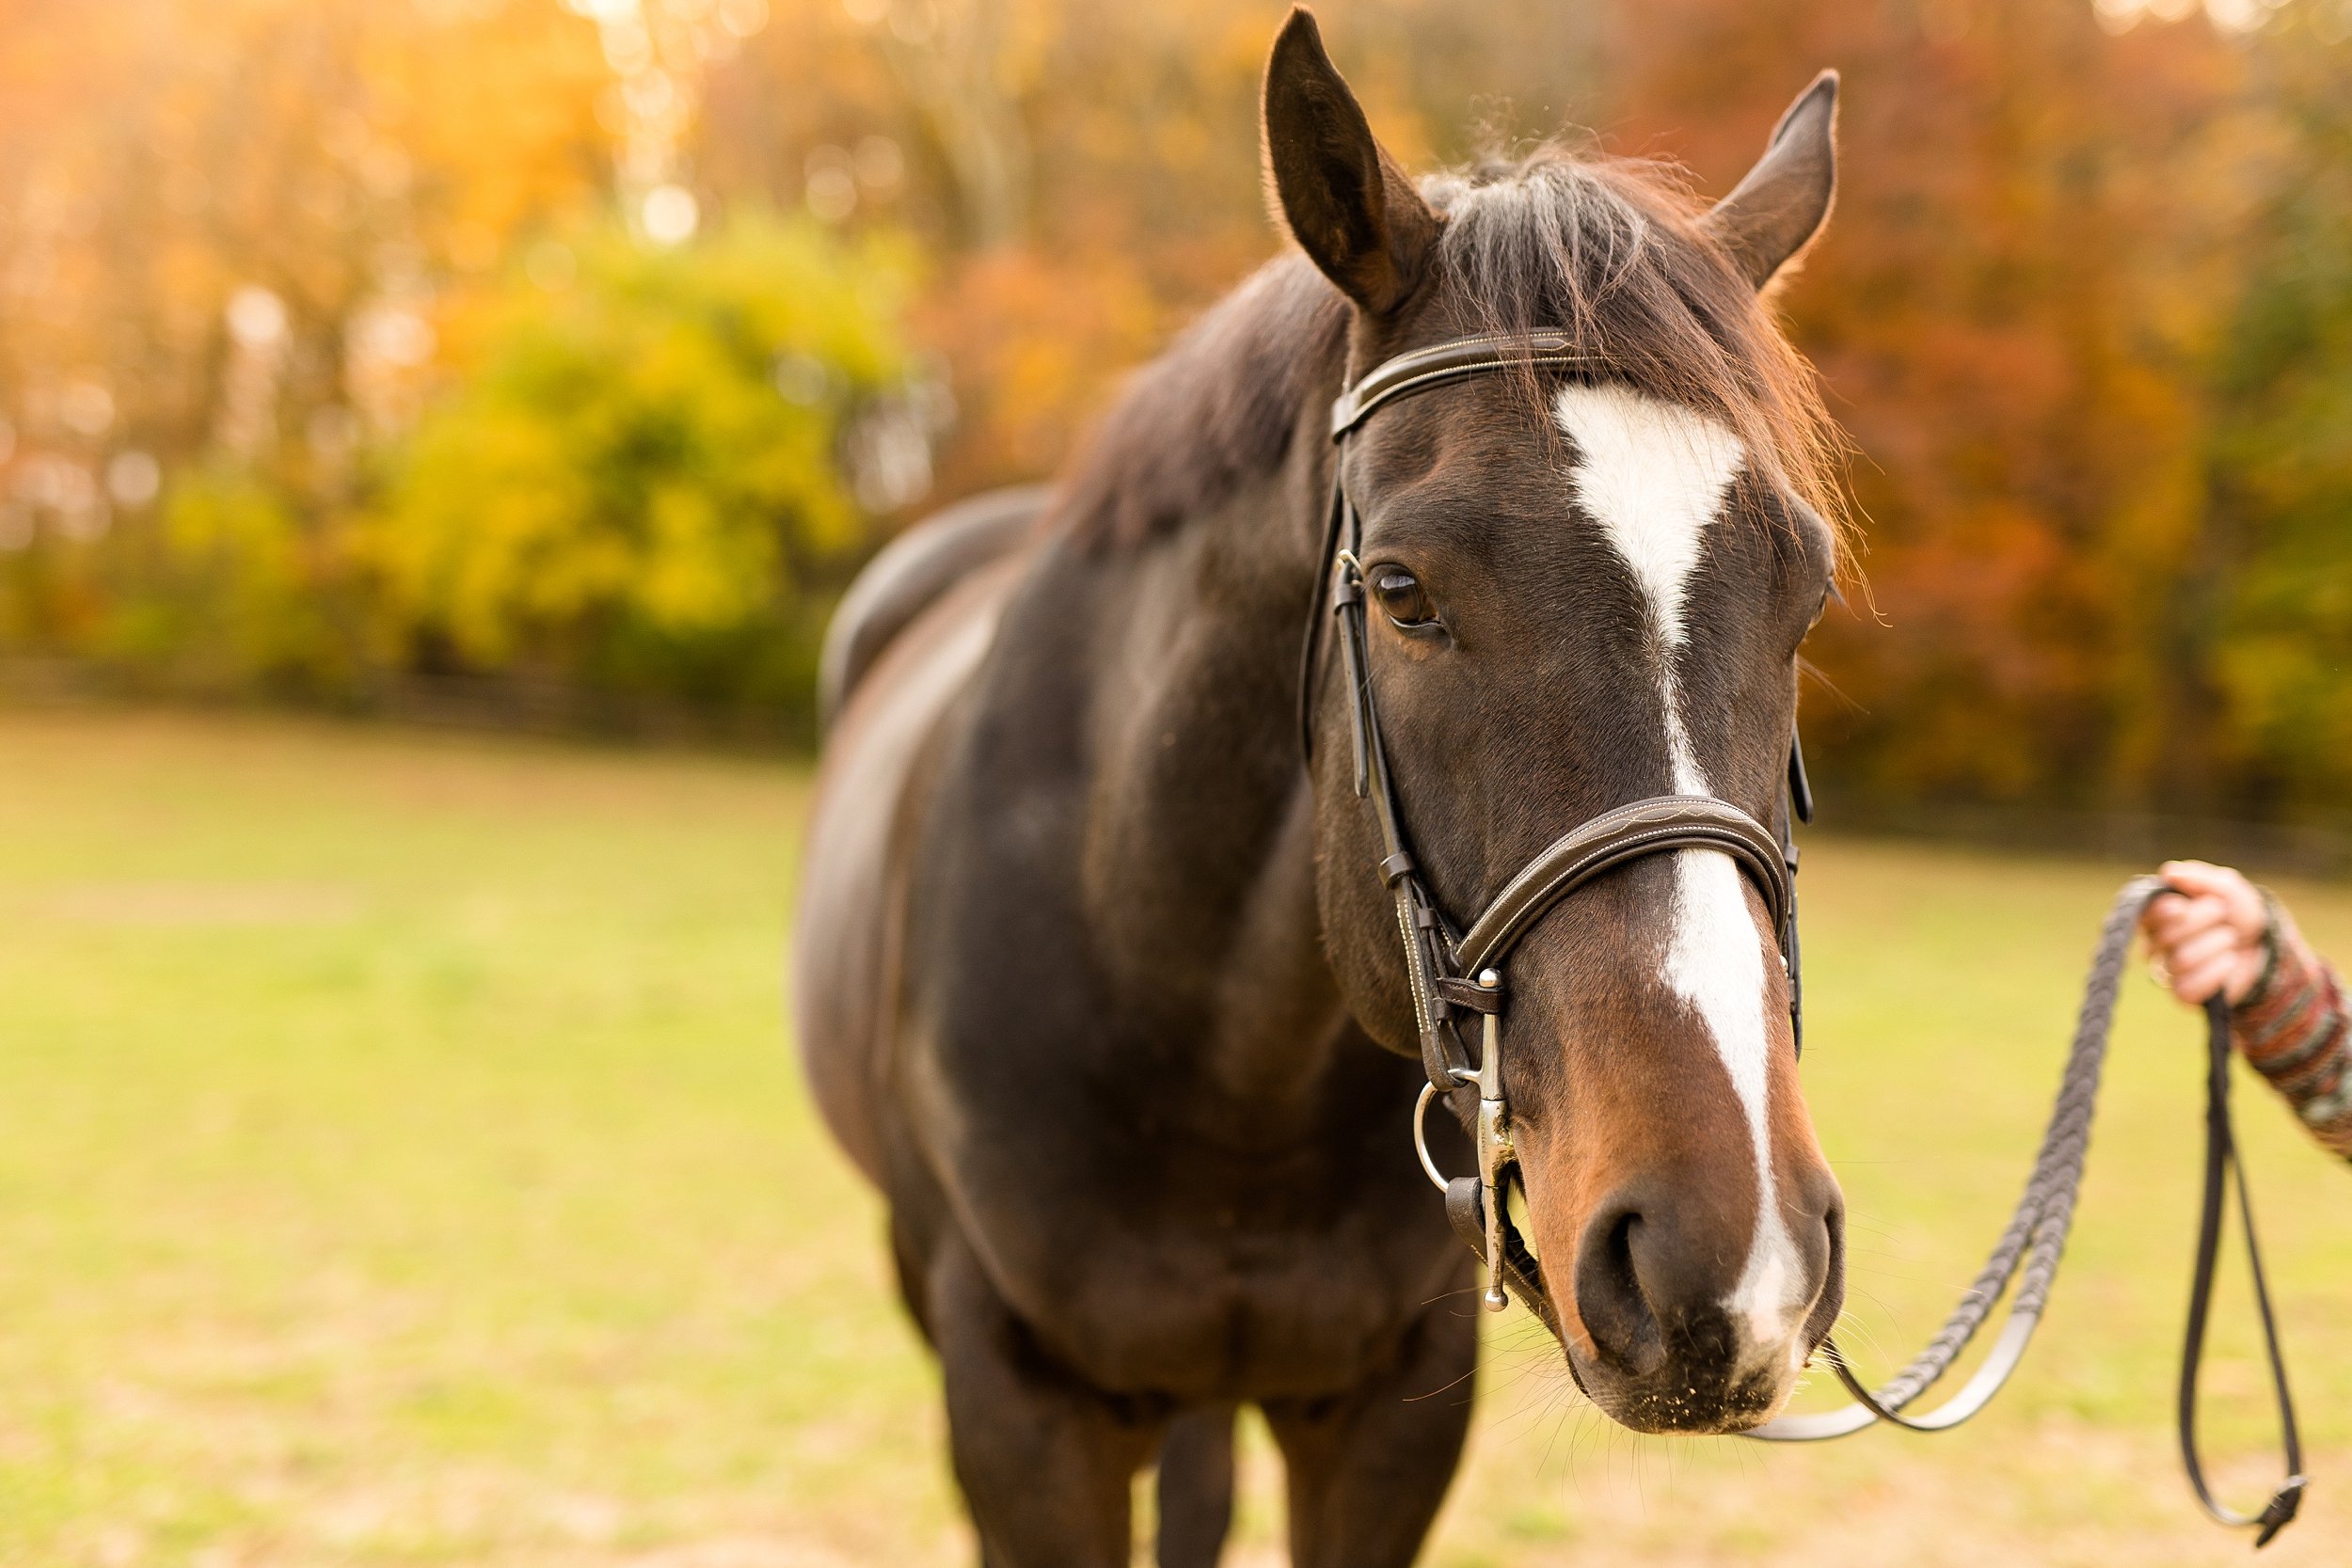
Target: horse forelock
x,y
1610,251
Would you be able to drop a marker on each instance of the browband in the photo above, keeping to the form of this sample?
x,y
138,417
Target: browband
x,y
1451,360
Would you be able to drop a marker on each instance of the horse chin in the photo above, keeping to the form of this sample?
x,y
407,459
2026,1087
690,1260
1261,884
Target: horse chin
x,y
1669,1409
1697,1392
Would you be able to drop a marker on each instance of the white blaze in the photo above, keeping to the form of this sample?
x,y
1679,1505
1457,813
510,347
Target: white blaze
x,y
1654,475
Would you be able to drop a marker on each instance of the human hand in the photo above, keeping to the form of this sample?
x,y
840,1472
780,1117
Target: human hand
x,y
2210,940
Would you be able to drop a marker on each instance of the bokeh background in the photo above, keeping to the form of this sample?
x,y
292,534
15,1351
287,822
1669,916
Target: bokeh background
x,y
558,360
402,1160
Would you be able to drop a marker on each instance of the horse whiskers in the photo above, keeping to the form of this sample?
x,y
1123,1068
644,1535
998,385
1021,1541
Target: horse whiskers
x,y
1452,1295
1456,1383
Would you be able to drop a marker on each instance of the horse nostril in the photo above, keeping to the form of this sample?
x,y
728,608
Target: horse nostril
x,y
1609,1296
1832,1297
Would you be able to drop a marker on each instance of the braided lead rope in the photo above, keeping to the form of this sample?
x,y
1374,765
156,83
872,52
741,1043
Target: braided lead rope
x,y
2035,1236
2047,1210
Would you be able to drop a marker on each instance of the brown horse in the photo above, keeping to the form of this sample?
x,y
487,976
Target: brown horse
x,y
1101,988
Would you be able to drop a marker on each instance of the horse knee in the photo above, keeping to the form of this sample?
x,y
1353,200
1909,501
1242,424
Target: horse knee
x,y
1044,1459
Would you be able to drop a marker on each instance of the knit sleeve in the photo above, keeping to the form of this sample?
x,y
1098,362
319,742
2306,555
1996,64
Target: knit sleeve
x,y
2292,1028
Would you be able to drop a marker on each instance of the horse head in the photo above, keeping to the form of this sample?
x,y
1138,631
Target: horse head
x,y
1585,584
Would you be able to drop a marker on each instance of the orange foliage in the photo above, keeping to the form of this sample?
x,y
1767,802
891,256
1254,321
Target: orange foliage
x,y
2074,305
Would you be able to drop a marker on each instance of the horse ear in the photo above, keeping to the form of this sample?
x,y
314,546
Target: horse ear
x,y
1352,210
1776,211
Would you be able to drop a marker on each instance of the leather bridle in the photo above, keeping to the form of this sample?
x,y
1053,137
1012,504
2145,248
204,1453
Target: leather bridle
x,y
1453,970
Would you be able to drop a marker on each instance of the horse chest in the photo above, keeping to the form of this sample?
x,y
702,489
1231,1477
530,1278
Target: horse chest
x,y
1187,1173
1154,1259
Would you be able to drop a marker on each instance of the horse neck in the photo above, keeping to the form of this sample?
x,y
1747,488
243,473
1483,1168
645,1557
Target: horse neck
x,y
1199,875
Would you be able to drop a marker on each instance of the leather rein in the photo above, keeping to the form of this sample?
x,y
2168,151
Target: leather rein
x,y
1458,973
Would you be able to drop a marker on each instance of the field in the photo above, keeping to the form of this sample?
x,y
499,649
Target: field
x,y
402,1161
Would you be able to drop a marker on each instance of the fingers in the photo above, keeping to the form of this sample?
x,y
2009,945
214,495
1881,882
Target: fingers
x,y
2193,877
2201,880
2218,941
2169,922
2209,940
2194,983
2200,963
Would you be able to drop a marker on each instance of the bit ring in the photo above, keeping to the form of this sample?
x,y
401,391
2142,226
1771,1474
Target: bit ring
x,y
1421,1136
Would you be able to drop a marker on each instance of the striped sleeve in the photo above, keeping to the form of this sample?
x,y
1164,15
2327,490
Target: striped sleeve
x,y
2293,1029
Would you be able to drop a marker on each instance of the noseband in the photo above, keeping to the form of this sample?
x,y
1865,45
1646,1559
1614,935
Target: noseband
x,y
1455,970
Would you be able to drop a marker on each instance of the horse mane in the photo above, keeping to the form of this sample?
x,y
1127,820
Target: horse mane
x,y
1214,412
1611,251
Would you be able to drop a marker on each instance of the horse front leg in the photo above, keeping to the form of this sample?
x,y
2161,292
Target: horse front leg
x,y
1045,1460
1368,1469
1196,1487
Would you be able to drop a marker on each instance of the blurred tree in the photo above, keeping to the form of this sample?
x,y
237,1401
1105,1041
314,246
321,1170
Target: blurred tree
x,y
636,478
2085,306
2042,212
2266,614
228,227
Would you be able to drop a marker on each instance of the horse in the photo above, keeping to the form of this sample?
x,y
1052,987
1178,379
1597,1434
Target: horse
x,y
1097,983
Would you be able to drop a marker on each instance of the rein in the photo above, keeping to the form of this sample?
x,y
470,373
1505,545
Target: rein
x,y
2027,1254
1453,971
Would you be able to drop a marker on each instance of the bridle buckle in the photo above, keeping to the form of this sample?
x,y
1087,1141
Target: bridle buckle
x,y
1495,1153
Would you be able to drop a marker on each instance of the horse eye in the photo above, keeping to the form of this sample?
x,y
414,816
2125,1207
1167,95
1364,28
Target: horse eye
x,y
1402,597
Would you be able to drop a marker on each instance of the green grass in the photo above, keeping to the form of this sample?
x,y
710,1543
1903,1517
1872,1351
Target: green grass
x,y
402,1161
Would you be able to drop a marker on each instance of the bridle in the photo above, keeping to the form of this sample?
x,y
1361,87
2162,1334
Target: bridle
x,y
1450,969
1453,970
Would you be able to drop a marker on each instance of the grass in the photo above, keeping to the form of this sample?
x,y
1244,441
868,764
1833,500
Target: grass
x,y
402,1161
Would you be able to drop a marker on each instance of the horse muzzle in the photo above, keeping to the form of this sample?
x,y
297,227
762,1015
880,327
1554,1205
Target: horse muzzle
x,y
1669,1329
